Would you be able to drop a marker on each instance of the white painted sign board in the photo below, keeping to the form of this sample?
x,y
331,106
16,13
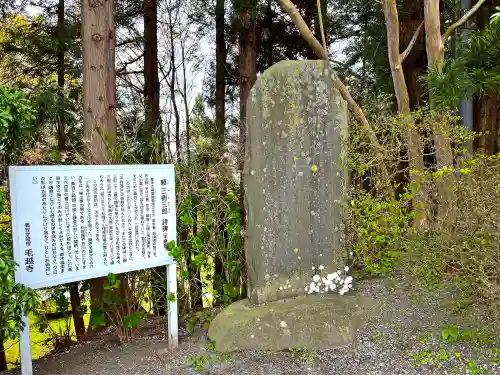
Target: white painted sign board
x,y
72,223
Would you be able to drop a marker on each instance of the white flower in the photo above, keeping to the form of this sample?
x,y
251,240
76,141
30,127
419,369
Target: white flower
x,y
348,279
350,253
313,267
346,269
316,278
321,268
341,292
283,324
330,276
252,336
333,287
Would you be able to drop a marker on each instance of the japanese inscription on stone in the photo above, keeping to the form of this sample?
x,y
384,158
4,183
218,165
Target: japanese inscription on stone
x,y
78,222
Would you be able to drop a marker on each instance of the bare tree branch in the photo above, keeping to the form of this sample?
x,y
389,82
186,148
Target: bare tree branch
x,y
321,26
414,38
462,20
126,63
304,30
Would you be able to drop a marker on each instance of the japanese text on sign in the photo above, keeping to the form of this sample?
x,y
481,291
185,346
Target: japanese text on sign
x,y
77,222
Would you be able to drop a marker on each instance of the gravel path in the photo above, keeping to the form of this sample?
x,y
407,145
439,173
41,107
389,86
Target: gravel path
x,y
405,339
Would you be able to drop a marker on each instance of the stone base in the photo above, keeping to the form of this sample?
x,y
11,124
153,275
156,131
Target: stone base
x,y
314,322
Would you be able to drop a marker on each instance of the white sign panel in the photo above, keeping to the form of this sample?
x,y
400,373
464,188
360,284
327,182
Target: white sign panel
x,y
73,223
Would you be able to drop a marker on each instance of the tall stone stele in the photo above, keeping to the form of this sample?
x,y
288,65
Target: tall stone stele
x,y
294,179
295,185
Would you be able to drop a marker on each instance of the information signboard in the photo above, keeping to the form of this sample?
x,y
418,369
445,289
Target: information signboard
x,y
79,222
73,223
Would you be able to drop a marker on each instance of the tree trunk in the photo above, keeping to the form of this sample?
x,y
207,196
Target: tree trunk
x,y
497,122
172,82
152,122
414,64
220,72
151,82
75,309
484,119
98,95
248,76
61,126
220,108
415,156
444,155
185,101
61,142
3,358
492,131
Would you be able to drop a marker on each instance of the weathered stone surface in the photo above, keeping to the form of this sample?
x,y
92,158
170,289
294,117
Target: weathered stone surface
x,y
294,179
314,322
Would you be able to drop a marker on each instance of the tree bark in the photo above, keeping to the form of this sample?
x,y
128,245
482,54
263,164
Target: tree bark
x,y
220,103
3,358
98,95
484,119
151,81
411,23
61,126
173,79
248,76
75,309
415,156
220,72
492,131
497,122
444,155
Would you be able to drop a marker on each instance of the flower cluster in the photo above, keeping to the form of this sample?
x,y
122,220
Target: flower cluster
x,y
336,281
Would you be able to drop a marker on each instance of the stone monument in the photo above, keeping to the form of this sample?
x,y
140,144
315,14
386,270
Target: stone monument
x,y
295,186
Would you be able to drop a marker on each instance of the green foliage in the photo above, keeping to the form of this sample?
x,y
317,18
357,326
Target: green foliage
x,y
201,362
303,354
15,299
16,123
474,72
201,318
378,224
121,306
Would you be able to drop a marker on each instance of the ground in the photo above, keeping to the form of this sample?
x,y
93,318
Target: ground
x,y
413,335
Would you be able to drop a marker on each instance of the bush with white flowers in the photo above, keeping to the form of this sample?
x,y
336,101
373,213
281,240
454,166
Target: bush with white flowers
x,y
337,281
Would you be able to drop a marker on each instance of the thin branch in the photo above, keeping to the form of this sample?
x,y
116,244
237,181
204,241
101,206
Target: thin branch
x,y
462,20
126,63
304,30
321,26
414,38
135,40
